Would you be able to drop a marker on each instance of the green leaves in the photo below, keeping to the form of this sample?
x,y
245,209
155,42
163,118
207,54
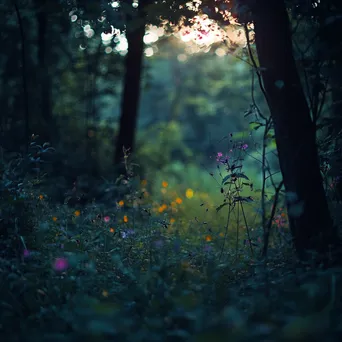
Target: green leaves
x,y
234,176
256,125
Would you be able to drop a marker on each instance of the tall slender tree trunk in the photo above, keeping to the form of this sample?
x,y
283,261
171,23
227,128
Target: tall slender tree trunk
x,y
310,221
46,123
132,79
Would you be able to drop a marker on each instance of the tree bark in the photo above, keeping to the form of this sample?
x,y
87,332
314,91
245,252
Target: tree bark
x,y
311,224
131,92
46,124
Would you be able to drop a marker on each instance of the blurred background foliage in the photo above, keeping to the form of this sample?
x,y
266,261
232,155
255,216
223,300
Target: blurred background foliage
x,y
73,79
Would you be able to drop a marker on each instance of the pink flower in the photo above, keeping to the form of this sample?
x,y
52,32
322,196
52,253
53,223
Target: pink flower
x,y
60,264
106,219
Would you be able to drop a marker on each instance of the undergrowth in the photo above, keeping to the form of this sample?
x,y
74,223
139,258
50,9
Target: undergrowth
x,y
161,262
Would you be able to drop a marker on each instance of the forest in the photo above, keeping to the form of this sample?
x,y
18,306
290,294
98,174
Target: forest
x,y
170,170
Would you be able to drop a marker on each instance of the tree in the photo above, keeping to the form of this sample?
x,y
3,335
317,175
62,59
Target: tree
x,y
135,31
310,221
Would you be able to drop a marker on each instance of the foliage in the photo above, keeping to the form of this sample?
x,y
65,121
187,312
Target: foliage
x,y
124,272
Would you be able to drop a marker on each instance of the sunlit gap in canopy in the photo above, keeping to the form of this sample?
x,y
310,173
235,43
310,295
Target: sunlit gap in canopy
x,y
199,36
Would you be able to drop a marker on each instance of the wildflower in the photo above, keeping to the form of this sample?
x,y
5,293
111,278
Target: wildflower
x,y
172,220
105,293
54,219
41,197
189,193
179,200
221,159
77,213
26,253
162,208
208,238
125,219
121,203
60,264
219,156
144,182
112,230
106,219
165,184
244,147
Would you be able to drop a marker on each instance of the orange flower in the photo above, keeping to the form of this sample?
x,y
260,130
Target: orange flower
x,y
112,230
125,219
54,219
165,184
172,220
143,182
221,234
162,208
179,200
41,197
77,213
121,203
208,238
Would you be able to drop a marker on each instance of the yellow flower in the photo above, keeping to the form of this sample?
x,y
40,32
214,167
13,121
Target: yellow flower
x,y
105,293
165,184
125,219
189,193
221,234
77,213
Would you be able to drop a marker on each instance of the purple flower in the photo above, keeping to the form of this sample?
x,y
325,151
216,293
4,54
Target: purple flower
x,y
221,159
60,264
26,253
219,156
244,147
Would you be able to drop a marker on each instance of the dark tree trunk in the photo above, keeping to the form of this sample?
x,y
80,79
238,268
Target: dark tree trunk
x,y
131,91
312,228
46,124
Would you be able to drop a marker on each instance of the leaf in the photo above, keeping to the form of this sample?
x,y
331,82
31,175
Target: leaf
x,y
226,178
240,175
243,199
255,125
221,206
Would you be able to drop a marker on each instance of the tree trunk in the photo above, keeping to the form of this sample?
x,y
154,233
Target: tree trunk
x,y
131,92
310,222
45,122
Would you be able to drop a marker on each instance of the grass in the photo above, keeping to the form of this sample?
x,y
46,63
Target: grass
x,y
161,263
